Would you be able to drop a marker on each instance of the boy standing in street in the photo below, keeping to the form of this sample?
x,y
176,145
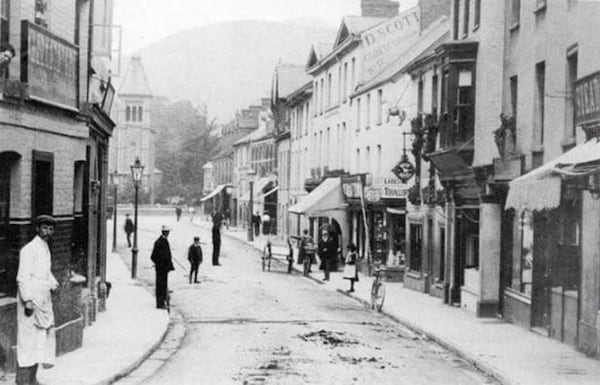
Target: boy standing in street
x,y
195,258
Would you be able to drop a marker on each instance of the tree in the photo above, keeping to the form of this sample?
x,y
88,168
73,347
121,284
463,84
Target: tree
x,y
183,147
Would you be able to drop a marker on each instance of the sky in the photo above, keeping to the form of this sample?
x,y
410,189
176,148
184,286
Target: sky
x,y
146,21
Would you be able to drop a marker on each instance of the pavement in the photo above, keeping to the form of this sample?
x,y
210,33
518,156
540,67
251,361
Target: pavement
x,y
511,354
122,337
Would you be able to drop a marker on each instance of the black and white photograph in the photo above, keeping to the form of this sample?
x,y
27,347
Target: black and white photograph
x,y
299,192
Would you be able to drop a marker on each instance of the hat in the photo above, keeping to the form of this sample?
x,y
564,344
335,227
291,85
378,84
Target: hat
x,y
196,239
44,219
165,228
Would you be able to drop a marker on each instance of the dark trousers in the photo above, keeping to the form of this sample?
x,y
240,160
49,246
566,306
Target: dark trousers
x,y
162,279
27,375
194,271
128,239
327,267
216,240
256,229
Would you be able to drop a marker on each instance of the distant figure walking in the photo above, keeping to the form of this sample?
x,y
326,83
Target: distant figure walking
x,y
129,228
195,258
256,223
178,213
163,264
216,237
191,212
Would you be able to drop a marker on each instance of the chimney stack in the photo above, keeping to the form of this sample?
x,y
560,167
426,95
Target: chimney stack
x,y
379,8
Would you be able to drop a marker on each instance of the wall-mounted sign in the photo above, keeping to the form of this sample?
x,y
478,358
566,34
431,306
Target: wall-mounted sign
x,y
352,186
383,43
373,194
404,170
49,66
587,99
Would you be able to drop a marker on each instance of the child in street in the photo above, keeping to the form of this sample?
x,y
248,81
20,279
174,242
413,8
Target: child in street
x,y
350,271
195,258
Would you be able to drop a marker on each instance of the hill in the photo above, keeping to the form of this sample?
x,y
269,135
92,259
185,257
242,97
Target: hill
x,y
228,65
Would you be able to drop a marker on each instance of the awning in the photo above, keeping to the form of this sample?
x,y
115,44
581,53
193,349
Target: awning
x,y
258,188
271,191
326,197
539,189
214,192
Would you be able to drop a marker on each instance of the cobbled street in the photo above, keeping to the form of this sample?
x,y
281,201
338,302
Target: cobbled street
x,y
246,326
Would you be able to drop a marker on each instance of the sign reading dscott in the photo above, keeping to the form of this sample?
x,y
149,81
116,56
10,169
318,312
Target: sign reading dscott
x,y
383,42
49,66
587,99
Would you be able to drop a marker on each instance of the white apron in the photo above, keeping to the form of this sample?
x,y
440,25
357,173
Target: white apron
x,y
36,342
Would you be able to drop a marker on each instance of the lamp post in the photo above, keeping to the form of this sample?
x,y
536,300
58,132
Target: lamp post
x,y
137,169
114,180
251,173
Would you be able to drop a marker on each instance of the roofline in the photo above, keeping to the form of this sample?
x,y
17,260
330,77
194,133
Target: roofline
x,y
298,91
354,39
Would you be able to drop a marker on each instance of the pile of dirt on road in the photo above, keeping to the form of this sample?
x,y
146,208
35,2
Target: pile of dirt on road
x,y
328,338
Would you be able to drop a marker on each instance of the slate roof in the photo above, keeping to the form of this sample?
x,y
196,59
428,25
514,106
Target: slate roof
x,y
135,81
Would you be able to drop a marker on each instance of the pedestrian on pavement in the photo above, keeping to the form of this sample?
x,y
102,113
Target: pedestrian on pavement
x,y
7,53
266,222
36,342
163,264
178,213
256,222
306,248
216,237
129,228
195,258
191,212
350,270
327,250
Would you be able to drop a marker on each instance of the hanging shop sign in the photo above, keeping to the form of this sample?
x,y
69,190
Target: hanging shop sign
x,y
587,99
404,170
49,67
391,188
352,186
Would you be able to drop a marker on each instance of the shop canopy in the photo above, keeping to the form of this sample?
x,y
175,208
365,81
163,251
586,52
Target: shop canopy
x,y
540,189
326,197
215,192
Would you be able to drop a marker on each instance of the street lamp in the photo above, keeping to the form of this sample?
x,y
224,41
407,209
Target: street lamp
x,y
251,174
137,169
114,180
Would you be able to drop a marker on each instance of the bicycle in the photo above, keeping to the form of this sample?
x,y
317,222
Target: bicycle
x,y
377,291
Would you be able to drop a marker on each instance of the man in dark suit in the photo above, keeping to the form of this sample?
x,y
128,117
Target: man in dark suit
x,y
216,237
163,263
129,228
195,258
327,250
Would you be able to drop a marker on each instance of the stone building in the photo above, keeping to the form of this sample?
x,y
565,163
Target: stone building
x,y
134,136
54,155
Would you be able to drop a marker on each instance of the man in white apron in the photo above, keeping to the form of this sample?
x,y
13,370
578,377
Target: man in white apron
x,y
35,317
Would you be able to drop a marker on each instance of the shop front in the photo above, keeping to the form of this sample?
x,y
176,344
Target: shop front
x,y
554,273
376,222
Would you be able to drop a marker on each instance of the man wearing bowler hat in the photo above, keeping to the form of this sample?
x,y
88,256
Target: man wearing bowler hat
x,y
36,342
163,263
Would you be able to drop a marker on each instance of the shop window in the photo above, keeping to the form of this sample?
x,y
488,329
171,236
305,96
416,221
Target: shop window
x,y
523,263
416,244
42,183
472,256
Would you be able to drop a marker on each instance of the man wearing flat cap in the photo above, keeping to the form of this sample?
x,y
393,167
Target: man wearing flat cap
x,y
36,342
163,264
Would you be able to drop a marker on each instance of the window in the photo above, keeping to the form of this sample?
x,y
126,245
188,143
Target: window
x,y
339,79
127,114
140,114
472,256
515,16
353,78
476,14
538,123
416,244
420,96
316,98
379,106
329,89
321,101
464,105
358,114
345,80
368,159
4,21
357,168
328,149
456,14
570,92
345,164
378,169
522,266
466,7
434,94
368,113
514,96
42,183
